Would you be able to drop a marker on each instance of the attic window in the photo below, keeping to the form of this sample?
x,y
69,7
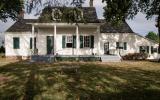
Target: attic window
x,y
79,15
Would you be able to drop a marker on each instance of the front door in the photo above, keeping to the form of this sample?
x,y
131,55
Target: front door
x,y
50,44
106,48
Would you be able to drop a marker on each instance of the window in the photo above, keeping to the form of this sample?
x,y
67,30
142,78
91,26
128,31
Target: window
x,y
30,43
125,45
144,49
121,45
69,41
16,43
153,50
86,41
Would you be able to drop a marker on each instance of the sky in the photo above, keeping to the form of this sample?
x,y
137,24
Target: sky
x,y
139,24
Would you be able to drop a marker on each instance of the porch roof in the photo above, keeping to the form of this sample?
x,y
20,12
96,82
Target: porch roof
x,y
88,25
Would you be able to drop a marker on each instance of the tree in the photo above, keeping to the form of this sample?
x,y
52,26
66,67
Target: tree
x,y
153,36
116,11
13,8
10,9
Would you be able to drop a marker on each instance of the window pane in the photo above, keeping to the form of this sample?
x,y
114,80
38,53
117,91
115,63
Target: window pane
x,y
69,45
86,41
69,39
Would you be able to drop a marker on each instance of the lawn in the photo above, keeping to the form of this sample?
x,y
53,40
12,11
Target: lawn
x,y
80,81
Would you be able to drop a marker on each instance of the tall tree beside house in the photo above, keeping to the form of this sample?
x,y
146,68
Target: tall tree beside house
x,y
16,8
153,36
116,11
10,9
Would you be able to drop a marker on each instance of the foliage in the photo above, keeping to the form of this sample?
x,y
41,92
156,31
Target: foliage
x,y
135,56
69,14
116,11
13,8
153,36
10,9
2,49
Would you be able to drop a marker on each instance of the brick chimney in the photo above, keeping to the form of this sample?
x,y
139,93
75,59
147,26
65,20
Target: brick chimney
x,y
91,3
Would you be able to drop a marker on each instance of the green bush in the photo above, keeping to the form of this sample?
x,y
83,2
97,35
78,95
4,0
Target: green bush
x,y
2,49
135,56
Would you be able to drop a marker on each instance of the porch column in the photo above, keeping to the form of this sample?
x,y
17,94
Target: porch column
x,y
77,39
99,39
55,39
33,48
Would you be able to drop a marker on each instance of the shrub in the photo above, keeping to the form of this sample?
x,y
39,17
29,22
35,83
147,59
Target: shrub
x,y
135,56
2,49
78,59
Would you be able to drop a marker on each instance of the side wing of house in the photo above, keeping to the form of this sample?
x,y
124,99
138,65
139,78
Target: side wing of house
x,y
17,39
127,40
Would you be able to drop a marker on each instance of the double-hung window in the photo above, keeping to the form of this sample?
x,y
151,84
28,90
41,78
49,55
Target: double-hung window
x,y
69,41
121,45
144,49
87,41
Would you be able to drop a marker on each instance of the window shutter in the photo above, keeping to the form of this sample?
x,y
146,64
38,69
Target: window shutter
x,y
92,41
30,43
16,43
117,45
152,51
63,41
74,41
125,45
81,41
147,49
140,48
35,40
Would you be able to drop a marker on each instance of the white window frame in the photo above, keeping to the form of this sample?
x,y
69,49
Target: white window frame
x,y
69,39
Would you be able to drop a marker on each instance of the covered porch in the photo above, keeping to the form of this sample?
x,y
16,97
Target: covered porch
x,y
50,37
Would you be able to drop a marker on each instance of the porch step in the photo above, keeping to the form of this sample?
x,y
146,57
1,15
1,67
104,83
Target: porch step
x,y
110,58
41,58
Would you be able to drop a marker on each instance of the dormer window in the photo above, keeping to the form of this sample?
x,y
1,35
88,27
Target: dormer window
x,y
78,14
56,14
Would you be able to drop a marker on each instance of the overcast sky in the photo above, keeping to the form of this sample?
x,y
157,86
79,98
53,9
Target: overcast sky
x,y
139,24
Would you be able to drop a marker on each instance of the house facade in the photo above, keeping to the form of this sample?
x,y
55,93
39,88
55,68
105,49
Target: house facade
x,y
49,35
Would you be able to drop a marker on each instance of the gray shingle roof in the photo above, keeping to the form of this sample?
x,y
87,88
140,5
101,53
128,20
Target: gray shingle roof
x,y
109,28
22,26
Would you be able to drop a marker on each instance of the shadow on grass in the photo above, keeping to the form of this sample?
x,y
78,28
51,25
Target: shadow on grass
x,y
89,82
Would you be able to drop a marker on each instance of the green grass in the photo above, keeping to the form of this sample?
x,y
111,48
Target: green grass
x,y
91,81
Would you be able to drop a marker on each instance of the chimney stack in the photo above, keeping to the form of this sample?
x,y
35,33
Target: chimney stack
x,y
91,3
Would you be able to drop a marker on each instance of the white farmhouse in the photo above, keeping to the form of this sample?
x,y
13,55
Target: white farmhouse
x,y
50,35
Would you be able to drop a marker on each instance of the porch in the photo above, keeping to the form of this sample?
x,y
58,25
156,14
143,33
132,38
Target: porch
x,y
85,58
65,39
